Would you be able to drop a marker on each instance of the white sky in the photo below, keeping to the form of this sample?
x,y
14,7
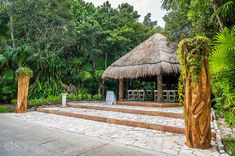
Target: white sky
x,y
142,6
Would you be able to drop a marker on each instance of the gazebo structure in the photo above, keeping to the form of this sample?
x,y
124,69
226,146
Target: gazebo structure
x,y
154,57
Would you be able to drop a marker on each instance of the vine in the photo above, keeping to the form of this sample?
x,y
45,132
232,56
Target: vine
x,y
196,49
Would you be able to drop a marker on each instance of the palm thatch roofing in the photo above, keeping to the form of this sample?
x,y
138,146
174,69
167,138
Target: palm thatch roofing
x,y
152,57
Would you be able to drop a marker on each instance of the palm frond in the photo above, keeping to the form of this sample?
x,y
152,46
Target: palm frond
x,y
223,56
224,10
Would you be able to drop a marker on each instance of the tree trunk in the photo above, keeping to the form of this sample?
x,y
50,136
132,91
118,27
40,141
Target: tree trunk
x,y
120,90
214,6
12,32
101,90
159,88
22,96
198,109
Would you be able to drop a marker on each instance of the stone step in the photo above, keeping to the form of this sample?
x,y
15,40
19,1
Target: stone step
x,y
165,124
147,104
175,112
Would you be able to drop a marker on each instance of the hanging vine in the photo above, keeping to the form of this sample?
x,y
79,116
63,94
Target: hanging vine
x,y
197,50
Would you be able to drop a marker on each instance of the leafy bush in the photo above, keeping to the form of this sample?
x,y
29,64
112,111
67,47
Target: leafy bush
x,y
84,96
229,144
87,97
43,101
24,71
4,109
97,97
229,118
8,84
223,74
14,101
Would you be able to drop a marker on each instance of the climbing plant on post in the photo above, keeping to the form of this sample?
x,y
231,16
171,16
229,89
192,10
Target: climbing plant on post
x,y
23,76
193,55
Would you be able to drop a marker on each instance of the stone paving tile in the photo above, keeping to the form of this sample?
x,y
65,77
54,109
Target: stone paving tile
x,y
162,109
125,116
172,144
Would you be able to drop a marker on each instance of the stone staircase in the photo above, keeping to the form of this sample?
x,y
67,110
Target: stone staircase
x,y
166,118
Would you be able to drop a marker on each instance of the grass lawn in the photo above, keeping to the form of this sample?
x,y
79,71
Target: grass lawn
x,y
229,144
4,109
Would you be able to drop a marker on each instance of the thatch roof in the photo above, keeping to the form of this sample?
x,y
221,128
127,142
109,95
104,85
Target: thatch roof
x,y
152,57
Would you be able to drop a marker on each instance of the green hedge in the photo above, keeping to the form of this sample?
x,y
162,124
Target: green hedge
x,y
42,101
4,109
57,99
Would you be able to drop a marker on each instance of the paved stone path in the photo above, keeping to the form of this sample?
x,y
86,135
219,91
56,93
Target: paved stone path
x,y
125,116
22,138
162,109
156,141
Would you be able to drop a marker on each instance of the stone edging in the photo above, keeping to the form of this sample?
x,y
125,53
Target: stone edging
x,y
218,135
147,104
131,111
158,127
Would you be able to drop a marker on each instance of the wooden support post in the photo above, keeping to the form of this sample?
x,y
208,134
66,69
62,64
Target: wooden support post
x,y
120,90
127,87
159,88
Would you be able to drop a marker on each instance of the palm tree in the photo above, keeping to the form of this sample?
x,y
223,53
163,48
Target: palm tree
x,y
220,12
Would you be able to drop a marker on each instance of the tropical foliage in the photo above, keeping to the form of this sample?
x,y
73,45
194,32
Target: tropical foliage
x,y
72,42
215,20
223,73
65,42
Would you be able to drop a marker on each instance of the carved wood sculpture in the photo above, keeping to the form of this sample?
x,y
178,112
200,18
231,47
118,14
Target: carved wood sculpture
x,y
197,103
22,95
198,110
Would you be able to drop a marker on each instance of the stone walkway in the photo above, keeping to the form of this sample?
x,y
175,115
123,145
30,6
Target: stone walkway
x,y
169,143
162,109
125,116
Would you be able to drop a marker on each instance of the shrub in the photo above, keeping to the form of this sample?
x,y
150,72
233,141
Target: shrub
x,y
24,71
43,101
88,97
230,118
14,101
4,109
97,97
229,144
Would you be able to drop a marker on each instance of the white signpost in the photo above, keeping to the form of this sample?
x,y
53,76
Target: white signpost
x,y
110,98
64,99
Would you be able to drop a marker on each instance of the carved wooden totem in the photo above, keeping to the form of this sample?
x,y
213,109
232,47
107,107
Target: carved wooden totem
x,y
22,95
197,107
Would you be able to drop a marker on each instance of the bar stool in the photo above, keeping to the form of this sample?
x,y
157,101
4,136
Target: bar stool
x,y
148,95
176,96
141,94
165,94
130,95
171,96
155,95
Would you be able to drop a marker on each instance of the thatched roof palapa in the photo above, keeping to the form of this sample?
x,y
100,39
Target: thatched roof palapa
x,y
152,57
